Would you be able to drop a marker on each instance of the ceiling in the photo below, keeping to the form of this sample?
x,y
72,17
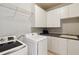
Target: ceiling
x,y
47,6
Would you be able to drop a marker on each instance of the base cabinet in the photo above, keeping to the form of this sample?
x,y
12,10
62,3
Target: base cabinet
x,y
49,43
73,47
61,46
57,45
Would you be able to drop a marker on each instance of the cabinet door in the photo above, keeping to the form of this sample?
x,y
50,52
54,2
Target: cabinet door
x,y
74,10
64,12
61,46
58,45
40,17
6,12
53,18
50,43
73,47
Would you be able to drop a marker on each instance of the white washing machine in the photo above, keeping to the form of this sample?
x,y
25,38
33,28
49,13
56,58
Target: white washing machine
x,y
37,44
11,46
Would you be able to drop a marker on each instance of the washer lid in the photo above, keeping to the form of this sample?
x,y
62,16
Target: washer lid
x,y
36,37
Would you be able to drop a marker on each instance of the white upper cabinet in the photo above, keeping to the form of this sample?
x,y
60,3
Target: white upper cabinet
x,y
40,17
69,11
64,12
74,10
53,18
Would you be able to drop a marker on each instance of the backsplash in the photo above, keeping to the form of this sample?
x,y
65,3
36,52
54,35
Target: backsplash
x,y
55,30
36,30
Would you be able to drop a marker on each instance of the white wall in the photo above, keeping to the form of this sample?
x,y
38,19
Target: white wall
x,y
15,25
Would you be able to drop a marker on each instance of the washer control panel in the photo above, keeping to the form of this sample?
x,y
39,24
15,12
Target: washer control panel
x,y
7,39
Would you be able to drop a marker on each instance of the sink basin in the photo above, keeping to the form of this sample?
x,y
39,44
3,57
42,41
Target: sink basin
x,y
68,36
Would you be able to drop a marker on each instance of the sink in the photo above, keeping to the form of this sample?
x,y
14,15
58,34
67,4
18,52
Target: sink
x,y
69,36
